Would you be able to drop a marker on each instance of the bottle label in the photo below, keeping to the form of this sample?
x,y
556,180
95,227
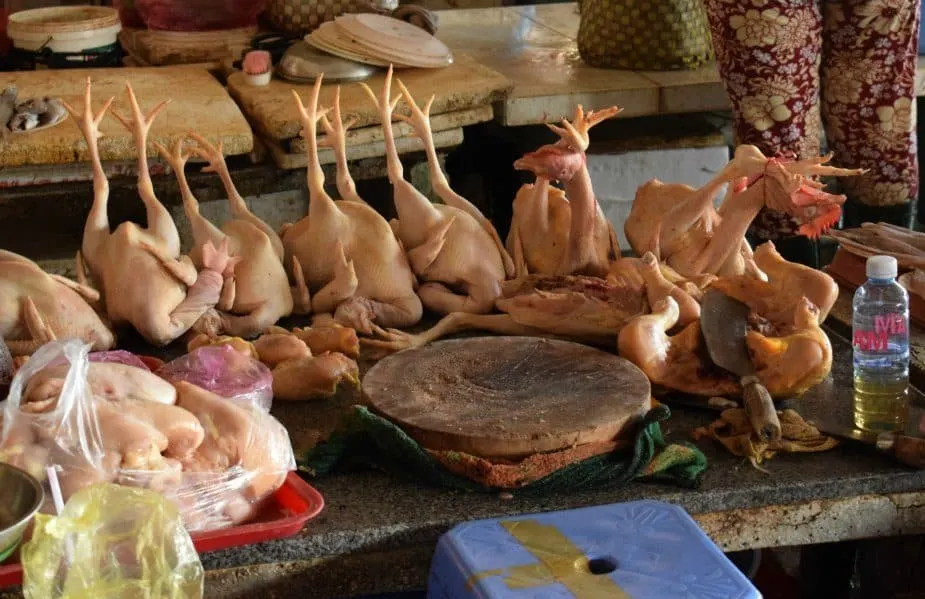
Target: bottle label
x,y
885,325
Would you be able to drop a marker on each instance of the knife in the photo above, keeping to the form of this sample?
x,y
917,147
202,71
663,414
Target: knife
x,y
724,324
907,449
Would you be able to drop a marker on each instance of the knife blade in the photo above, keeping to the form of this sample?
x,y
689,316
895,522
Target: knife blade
x,y
906,449
724,324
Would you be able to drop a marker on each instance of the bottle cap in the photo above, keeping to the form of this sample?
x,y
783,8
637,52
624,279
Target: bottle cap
x,y
881,267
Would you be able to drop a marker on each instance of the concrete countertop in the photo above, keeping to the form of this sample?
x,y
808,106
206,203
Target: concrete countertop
x,y
368,511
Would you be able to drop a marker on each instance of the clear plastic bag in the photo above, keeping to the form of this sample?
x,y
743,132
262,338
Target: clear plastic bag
x,y
225,372
112,542
217,459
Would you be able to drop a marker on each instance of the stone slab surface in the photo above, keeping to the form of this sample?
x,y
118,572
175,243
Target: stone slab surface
x,y
465,84
199,102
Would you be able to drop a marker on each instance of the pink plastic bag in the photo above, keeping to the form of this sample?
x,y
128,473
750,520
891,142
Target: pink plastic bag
x,y
225,372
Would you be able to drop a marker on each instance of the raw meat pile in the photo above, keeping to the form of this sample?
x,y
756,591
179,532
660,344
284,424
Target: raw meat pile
x,y
108,421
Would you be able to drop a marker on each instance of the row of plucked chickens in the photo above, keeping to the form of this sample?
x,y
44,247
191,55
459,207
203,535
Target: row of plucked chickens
x,y
559,274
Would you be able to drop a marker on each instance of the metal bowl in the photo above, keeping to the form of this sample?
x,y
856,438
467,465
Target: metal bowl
x,y
21,496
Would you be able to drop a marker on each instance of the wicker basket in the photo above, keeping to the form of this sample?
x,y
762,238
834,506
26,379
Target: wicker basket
x,y
303,16
644,35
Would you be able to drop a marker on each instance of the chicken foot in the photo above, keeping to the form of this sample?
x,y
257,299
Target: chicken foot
x,y
336,139
160,223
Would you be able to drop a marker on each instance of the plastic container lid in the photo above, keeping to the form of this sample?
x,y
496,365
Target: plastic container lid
x,y
881,267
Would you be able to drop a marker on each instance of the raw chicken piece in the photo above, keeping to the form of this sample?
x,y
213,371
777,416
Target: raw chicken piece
x,y
914,282
182,430
276,348
258,294
351,261
106,380
238,437
36,307
144,283
787,285
452,247
679,224
338,339
554,234
236,343
577,308
313,377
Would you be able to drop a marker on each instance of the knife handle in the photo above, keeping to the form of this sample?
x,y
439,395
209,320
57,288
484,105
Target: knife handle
x,y
760,409
908,450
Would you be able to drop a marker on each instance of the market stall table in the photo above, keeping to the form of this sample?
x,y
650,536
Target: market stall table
x,y
378,531
198,101
535,47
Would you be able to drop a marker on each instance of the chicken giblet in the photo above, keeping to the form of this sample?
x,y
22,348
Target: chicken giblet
x,y
352,263
144,284
36,307
577,308
562,233
679,224
258,294
452,247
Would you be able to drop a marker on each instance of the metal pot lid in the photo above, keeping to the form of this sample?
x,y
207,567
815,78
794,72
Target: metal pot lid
x,y
303,63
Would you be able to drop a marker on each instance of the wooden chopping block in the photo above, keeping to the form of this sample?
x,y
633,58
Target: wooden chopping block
x,y
508,397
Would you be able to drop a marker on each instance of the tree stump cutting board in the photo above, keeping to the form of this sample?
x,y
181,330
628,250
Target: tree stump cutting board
x,y
508,397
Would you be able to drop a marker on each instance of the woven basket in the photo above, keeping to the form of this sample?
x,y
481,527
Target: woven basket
x,y
303,16
644,35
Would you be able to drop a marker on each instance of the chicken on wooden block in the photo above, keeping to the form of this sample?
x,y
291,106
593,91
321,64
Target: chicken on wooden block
x,y
451,247
257,295
36,307
562,233
680,225
144,282
352,263
790,351
578,308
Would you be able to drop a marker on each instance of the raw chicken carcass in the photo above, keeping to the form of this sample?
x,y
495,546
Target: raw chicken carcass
x,y
258,294
106,380
577,308
562,233
680,225
451,247
352,263
36,307
144,283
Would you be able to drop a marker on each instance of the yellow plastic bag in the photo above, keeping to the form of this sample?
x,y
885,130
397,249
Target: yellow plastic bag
x,y
112,542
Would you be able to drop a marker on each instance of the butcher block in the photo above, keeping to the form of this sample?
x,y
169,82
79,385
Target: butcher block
x,y
198,101
464,84
508,397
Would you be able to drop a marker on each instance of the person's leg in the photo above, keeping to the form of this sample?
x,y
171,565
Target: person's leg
x,y
868,92
768,56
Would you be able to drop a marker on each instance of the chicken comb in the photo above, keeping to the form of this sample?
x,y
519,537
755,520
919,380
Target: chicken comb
x,y
821,224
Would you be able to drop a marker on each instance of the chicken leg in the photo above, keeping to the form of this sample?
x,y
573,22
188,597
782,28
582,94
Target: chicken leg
x,y
336,139
456,257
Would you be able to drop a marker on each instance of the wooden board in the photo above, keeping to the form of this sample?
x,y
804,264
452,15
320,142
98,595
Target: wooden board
x,y
173,47
404,145
464,84
507,397
439,122
198,102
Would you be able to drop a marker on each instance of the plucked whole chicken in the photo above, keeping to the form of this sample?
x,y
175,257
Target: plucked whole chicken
x,y
144,281
451,247
351,262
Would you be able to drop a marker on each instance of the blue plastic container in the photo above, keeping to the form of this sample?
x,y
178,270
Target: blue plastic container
x,y
637,550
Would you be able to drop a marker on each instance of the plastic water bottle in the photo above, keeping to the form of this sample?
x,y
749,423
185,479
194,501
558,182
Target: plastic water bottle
x,y
880,331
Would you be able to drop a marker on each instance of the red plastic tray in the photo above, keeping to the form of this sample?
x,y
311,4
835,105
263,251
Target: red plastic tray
x,y
293,504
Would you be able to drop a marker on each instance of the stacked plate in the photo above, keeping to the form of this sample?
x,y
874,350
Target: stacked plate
x,y
379,40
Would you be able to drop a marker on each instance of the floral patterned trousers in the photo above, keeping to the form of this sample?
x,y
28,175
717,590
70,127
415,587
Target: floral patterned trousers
x,y
790,64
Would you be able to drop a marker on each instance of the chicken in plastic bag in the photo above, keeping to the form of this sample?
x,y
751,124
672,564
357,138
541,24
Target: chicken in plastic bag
x,y
224,371
112,542
217,459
